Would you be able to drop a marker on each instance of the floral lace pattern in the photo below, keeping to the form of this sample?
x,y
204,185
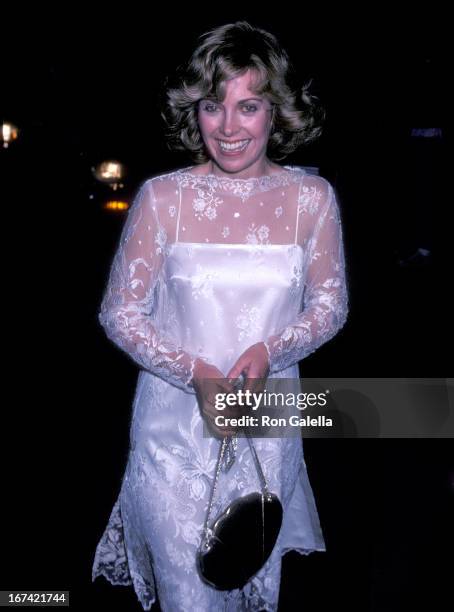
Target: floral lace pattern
x,y
326,299
241,188
258,235
247,321
128,301
111,561
230,204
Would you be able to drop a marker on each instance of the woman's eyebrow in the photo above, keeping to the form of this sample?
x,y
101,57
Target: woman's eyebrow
x,y
239,101
249,99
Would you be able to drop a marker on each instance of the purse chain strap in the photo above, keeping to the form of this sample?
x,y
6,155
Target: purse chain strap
x,y
264,485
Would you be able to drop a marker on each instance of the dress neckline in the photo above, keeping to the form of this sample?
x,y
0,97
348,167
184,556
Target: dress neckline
x,y
265,177
240,186
188,170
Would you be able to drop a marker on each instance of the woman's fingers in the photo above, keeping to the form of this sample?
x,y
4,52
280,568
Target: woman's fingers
x,y
253,363
211,413
215,390
219,430
237,369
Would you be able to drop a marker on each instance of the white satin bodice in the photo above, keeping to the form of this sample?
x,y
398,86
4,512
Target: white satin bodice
x,y
220,299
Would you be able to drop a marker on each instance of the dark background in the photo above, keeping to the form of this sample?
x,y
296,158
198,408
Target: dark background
x,y
83,89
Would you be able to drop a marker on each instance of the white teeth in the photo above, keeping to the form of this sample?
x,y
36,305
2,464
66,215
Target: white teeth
x,y
234,146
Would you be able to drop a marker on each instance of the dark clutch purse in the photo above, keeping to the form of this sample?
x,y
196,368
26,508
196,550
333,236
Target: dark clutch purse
x,y
238,543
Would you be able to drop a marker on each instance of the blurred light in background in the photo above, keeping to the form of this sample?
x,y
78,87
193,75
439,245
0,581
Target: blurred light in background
x,y
9,132
116,205
110,172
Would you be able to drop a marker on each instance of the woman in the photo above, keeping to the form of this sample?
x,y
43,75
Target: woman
x,y
208,282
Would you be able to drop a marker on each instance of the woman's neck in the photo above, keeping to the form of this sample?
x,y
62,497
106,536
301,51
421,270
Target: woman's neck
x,y
265,168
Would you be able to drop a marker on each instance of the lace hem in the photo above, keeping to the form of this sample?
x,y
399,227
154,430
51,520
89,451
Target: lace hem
x,y
143,595
301,551
111,561
102,572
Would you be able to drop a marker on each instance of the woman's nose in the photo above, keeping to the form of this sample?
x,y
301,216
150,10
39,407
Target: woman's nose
x,y
229,123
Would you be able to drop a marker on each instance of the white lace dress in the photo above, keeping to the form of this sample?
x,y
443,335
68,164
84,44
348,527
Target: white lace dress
x,y
206,267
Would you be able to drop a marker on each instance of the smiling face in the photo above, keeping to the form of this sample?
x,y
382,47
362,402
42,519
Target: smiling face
x,y
236,130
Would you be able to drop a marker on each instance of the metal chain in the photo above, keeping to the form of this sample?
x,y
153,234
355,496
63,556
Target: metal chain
x,y
217,470
264,486
263,483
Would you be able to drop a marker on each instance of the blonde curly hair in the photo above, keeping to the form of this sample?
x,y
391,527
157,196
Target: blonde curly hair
x,y
226,52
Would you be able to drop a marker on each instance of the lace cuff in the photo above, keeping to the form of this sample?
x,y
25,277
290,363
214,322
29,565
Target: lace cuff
x,y
189,381
265,342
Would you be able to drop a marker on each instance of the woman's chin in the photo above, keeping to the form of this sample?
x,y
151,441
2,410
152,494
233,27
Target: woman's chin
x,y
232,164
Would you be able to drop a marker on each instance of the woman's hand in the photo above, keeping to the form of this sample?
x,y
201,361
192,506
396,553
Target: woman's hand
x,y
253,364
206,388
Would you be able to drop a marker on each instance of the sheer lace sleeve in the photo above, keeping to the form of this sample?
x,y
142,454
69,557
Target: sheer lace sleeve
x,y
325,300
127,305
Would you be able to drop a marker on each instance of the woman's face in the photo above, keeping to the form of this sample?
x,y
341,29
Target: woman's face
x,y
236,130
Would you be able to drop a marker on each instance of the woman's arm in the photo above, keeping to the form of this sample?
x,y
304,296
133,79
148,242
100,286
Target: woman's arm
x,y
325,297
126,308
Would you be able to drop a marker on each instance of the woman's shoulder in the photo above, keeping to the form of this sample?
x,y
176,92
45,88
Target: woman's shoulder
x,y
316,193
167,176
311,174
313,182
161,185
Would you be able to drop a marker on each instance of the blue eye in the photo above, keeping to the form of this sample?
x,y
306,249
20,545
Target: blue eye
x,y
251,107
